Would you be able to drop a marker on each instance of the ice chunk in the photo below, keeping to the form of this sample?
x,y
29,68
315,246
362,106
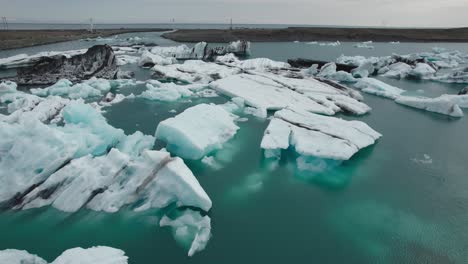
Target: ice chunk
x,y
154,180
197,131
149,59
31,151
421,71
229,58
94,255
166,91
318,136
13,256
7,87
194,71
379,88
446,105
191,229
126,59
276,138
261,64
364,70
398,70
364,45
73,186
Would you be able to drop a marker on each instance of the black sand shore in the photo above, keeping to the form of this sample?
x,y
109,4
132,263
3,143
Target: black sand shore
x,y
320,34
13,39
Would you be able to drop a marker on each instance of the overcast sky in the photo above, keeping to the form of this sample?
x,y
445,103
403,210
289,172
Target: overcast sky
x,y
400,13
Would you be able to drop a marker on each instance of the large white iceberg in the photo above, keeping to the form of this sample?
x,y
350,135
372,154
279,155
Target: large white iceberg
x,y
316,135
197,131
273,92
447,105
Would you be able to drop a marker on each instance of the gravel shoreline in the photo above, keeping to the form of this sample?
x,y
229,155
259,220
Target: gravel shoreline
x,y
320,34
14,39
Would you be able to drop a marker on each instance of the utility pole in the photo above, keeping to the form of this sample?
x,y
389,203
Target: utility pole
x,y
5,23
91,25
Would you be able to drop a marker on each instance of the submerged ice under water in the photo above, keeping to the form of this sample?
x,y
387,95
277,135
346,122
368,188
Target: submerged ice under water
x,y
378,207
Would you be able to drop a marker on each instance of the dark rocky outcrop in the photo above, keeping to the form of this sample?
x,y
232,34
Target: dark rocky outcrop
x,y
463,91
99,61
306,63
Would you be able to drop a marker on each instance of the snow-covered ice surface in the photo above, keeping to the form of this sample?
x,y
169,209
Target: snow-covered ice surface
x,y
197,131
94,255
316,135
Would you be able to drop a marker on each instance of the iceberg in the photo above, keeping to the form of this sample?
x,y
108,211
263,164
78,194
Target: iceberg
x,y
13,256
7,87
126,59
398,70
194,71
32,151
190,229
94,255
167,92
379,88
421,71
317,136
197,131
273,92
149,59
364,45
446,104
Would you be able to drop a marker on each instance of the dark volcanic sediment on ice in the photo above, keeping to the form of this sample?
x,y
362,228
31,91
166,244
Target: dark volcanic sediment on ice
x,y
13,39
320,34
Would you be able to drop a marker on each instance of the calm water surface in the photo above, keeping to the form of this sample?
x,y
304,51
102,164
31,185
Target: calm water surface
x,y
385,205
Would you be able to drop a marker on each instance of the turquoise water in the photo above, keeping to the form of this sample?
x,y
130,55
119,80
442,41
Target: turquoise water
x,y
383,206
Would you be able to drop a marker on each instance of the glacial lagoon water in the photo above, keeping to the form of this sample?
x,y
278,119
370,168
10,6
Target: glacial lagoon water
x,y
388,204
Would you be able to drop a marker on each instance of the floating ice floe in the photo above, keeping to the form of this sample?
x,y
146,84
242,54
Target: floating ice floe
x,y
422,71
126,59
149,59
364,45
332,44
317,136
7,87
379,88
194,71
94,255
445,104
457,76
328,71
274,92
91,88
190,229
197,131
166,91
398,70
